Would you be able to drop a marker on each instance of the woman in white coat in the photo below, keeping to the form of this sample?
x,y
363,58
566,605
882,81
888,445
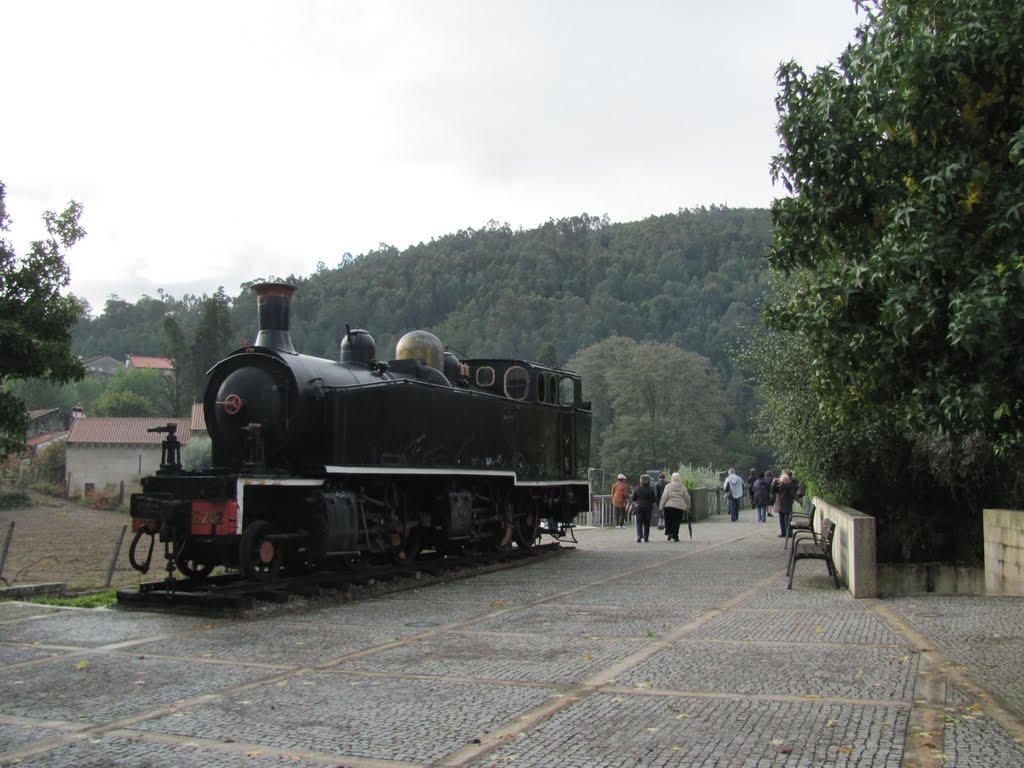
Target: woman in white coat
x,y
675,502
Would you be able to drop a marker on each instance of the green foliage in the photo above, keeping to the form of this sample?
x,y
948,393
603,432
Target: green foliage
x,y
94,600
214,336
35,318
894,373
49,465
131,392
902,241
179,390
657,404
14,499
548,355
691,280
699,477
197,453
124,404
109,498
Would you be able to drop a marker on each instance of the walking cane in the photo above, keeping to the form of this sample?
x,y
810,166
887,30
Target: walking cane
x,y
689,525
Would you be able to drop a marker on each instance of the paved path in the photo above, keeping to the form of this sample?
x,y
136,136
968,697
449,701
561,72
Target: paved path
x,y
615,654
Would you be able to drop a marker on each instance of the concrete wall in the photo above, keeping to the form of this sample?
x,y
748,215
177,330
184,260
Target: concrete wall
x,y
931,578
109,465
1004,551
854,549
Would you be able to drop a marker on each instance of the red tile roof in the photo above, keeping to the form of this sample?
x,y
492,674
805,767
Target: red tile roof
x,y
32,442
115,430
41,412
198,418
140,361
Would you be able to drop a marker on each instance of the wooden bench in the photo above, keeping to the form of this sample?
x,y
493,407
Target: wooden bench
x,y
808,545
799,521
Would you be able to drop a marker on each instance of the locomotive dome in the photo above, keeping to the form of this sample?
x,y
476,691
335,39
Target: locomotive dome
x,y
421,345
357,346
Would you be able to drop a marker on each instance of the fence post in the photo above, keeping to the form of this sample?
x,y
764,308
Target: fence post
x,y
113,560
7,546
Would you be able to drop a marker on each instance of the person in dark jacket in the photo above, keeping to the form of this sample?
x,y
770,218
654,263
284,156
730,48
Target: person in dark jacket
x,y
658,517
645,497
784,496
762,496
751,479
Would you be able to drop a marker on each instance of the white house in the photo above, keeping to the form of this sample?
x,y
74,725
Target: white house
x,y
114,452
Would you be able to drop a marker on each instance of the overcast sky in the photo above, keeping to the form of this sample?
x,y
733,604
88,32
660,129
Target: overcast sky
x,y
215,142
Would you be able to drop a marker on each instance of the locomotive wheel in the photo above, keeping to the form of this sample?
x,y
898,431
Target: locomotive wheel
x,y
525,529
196,570
258,556
411,548
502,541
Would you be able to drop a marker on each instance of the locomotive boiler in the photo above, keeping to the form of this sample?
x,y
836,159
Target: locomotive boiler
x,y
321,462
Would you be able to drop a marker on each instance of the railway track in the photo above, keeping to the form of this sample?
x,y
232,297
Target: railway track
x,y
230,593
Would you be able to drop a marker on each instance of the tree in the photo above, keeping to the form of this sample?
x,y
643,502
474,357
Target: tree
x,y
664,405
178,390
548,355
214,336
132,392
35,317
123,403
901,243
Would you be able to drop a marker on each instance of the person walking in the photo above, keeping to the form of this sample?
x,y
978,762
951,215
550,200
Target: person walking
x,y
733,487
751,479
620,497
674,503
762,493
659,488
644,497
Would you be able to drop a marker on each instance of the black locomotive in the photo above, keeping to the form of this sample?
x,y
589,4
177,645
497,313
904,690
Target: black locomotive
x,y
318,462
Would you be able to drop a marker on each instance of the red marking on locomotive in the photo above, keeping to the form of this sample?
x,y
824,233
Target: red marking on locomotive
x,y
214,518
232,404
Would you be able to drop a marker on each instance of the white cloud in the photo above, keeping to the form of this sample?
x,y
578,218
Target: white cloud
x,y
211,143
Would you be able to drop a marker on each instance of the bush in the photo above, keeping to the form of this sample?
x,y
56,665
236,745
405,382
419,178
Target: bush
x,y
197,453
48,489
14,500
109,498
699,477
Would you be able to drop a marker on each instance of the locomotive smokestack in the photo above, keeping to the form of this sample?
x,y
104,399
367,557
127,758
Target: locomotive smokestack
x,y
274,302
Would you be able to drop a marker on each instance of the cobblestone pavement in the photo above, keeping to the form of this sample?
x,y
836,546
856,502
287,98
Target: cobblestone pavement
x,y
612,654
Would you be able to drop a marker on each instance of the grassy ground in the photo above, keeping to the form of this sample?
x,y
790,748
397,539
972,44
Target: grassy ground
x,y
55,540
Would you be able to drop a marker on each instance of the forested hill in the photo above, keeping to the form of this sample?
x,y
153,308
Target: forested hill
x,y
691,279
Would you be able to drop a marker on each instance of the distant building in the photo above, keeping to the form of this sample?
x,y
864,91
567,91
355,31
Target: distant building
x,y
39,443
198,421
102,365
114,451
47,420
161,365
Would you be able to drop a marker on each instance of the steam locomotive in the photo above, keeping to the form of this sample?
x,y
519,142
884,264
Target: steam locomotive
x,y
319,463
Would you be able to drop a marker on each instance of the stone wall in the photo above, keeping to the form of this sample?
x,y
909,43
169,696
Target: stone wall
x,y
1004,551
854,549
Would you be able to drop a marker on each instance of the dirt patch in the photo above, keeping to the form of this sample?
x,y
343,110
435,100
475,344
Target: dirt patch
x,y
55,540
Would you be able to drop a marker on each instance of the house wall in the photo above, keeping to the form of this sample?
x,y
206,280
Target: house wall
x,y
103,465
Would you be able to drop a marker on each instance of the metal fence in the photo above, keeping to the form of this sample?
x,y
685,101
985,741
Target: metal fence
x,y
705,502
